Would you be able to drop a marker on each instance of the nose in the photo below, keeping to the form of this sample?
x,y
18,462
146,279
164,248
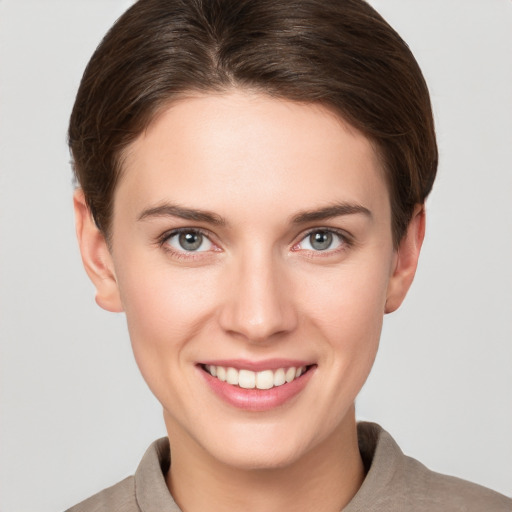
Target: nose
x,y
258,305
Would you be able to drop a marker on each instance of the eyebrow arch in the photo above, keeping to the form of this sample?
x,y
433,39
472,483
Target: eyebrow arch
x,y
329,212
171,210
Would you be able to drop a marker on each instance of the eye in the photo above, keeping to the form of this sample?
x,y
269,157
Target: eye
x,y
322,240
189,240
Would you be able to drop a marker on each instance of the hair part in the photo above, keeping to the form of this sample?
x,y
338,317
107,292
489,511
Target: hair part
x,y
338,53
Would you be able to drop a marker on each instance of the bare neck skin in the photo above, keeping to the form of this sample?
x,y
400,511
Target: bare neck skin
x,y
325,479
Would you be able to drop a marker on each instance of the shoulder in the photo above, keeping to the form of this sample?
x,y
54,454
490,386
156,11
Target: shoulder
x,y
436,491
146,490
395,481
119,497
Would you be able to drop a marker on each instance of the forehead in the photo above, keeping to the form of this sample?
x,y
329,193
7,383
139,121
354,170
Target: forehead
x,y
243,152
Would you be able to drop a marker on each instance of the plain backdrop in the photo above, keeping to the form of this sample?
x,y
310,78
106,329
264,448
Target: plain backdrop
x,y
75,414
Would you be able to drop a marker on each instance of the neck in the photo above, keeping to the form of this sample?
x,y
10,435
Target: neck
x,y
325,479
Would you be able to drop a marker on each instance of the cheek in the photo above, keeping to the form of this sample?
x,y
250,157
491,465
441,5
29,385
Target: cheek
x,y
348,310
351,299
165,309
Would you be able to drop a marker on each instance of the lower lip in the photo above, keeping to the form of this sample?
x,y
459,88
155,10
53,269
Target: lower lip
x,y
257,400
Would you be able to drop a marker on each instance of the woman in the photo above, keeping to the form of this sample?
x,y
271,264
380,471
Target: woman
x,y
252,178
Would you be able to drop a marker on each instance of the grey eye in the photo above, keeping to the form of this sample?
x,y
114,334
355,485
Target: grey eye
x,y
321,240
190,241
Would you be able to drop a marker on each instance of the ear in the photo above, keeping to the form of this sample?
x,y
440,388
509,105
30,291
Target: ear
x,y
406,260
96,256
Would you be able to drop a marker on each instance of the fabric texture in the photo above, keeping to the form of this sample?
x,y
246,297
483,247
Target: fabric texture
x,y
393,483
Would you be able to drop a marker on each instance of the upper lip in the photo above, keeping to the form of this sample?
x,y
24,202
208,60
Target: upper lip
x,y
257,366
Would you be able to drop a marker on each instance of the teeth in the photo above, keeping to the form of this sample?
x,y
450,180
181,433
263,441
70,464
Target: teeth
x,y
279,377
290,374
265,379
248,379
220,371
232,376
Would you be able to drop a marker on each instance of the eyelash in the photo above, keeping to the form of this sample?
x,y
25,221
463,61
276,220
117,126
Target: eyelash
x,y
188,255
346,242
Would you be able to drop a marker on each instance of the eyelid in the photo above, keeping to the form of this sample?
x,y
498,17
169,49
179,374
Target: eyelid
x,y
164,237
346,239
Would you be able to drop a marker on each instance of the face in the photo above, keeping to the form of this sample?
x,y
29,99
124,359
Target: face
x,y
253,256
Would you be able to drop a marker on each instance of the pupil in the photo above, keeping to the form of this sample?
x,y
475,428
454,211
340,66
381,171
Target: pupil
x,y
321,240
191,241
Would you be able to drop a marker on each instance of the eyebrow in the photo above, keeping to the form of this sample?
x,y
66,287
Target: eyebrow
x,y
171,210
330,212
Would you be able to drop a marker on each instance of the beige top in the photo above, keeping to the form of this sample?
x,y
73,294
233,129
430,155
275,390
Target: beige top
x,y
394,483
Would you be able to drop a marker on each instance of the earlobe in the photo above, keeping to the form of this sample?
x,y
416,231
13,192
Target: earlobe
x,y
406,260
96,256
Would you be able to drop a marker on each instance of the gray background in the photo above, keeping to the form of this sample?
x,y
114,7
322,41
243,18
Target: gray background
x,y
75,414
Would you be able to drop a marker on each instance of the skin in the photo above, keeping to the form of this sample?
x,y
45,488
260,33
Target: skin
x,y
256,290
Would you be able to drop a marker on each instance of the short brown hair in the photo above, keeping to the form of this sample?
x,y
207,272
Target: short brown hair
x,y
339,53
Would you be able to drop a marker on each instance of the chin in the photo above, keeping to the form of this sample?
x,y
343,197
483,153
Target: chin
x,y
259,456
260,447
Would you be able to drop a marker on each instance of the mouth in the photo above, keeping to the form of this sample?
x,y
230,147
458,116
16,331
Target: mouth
x,y
257,387
262,380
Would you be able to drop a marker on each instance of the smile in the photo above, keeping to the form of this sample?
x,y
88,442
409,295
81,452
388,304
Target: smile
x,y
247,379
257,386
